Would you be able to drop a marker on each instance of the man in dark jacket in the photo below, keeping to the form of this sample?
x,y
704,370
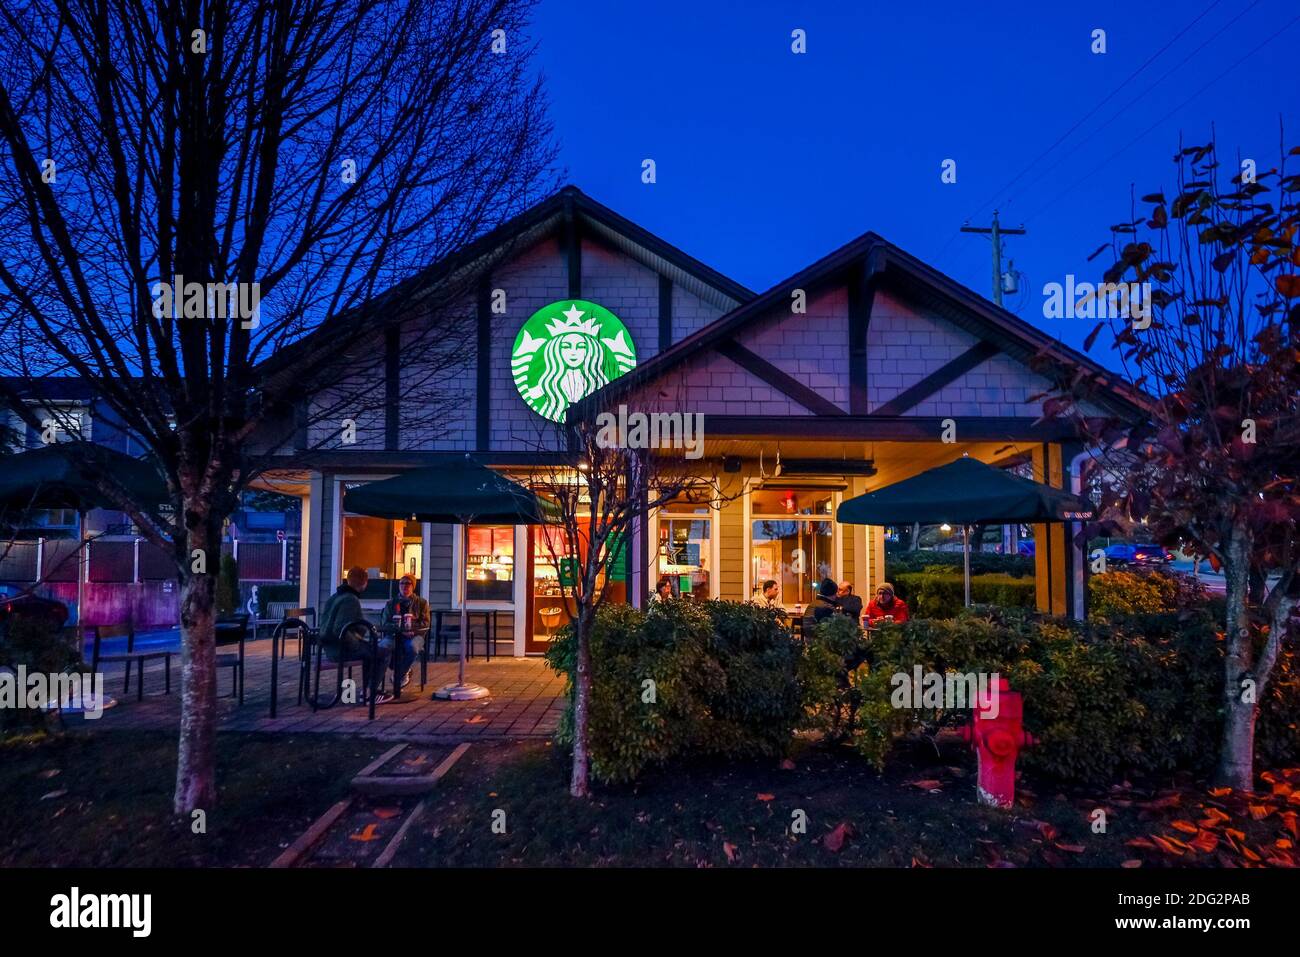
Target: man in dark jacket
x,y
341,610
850,604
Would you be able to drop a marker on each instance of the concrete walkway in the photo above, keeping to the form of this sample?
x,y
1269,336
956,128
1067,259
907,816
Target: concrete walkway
x,y
526,701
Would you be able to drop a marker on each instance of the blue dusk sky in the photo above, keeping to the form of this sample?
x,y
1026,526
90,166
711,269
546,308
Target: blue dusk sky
x,y
767,160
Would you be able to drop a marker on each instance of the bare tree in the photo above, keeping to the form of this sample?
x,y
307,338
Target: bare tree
x,y
200,184
615,469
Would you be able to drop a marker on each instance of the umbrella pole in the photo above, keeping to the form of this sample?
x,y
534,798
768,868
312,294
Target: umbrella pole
x,y
81,579
965,543
461,691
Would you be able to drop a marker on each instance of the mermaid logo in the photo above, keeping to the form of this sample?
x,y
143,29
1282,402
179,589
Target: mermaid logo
x,y
563,355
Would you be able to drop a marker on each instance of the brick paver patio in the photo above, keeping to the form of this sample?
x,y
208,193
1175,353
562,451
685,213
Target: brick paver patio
x,y
526,701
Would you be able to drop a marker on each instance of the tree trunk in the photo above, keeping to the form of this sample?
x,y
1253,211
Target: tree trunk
x,y
196,786
1237,747
578,783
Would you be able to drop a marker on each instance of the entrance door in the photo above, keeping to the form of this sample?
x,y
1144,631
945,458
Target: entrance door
x,y
551,566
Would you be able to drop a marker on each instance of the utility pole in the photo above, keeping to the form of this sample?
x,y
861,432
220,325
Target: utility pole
x,y
997,231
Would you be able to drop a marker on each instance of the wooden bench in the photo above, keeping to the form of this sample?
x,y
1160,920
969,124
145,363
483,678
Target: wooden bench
x,y
131,656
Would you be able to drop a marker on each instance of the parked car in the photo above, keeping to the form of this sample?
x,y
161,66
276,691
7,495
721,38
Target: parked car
x,y
15,604
1137,556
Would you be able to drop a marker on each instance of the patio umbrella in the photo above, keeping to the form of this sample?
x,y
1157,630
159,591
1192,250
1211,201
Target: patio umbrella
x,y
456,493
965,492
67,475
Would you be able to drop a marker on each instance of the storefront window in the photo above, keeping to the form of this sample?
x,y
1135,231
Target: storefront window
x,y
684,545
386,548
490,572
792,542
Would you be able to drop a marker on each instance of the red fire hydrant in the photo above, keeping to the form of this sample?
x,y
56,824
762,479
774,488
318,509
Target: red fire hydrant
x,y
998,734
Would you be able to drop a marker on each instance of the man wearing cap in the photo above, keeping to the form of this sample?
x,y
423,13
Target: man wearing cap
x,y
406,602
886,605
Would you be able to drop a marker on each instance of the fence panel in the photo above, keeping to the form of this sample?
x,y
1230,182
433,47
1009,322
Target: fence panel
x,y
260,561
60,561
18,563
156,563
112,561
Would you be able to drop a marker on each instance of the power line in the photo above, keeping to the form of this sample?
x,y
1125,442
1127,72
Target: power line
x,y
1157,123
1133,102
1109,96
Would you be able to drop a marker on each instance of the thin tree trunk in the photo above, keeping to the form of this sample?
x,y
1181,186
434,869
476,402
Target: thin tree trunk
x,y
578,783
196,754
1237,748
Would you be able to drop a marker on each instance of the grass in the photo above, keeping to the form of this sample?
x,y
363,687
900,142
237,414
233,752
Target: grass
x,y
920,812
103,799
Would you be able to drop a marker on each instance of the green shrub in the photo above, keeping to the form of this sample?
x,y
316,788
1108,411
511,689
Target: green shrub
x,y
724,679
941,594
1123,593
226,599
35,645
981,563
1104,699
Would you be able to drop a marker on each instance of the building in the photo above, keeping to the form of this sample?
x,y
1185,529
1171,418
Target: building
x,y
842,378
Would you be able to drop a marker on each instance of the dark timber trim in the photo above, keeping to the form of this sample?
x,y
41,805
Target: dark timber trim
x,y
483,368
665,312
903,428
862,294
781,381
936,380
572,249
392,387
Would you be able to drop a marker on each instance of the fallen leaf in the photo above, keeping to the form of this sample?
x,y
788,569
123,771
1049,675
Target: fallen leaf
x,y
1235,834
1249,854
54,794
1260,811
730,850
1283,843
1220,792
1205,842
835,839
47,774
1187,827
1072,848
926,785
1167,846
917,862
766,797
787,765
1289,819
1132,863
1141,842
384,813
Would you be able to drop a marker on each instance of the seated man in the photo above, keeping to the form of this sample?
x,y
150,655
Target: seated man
x,y
769,600
850,604
341,642
886,606
407,602
827,602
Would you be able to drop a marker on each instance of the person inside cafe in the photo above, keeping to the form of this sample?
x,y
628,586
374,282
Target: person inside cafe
x,y
827,601
664,590
406,602
849,603
343,630
886,606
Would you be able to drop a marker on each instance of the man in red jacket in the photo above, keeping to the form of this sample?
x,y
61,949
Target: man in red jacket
x,y
886,605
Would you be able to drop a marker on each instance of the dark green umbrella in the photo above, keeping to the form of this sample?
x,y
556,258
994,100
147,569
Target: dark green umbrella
x,y
965,492
71,475
456,493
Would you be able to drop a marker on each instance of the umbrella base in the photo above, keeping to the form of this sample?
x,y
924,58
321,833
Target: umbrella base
x,y
465,692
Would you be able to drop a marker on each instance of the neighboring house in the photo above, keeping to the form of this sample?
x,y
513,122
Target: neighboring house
x,y
850,394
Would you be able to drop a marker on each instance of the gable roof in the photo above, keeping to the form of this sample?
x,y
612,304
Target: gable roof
x,y
569,204
869,257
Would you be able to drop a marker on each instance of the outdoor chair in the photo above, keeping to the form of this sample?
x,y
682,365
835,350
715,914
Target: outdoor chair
x,y
130,656
446,629
233,630
316,652
300,615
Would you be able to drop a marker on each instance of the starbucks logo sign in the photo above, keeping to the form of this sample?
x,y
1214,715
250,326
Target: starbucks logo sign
x,y
565,352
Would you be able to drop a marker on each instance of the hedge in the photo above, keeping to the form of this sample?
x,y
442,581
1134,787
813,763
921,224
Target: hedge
x,y
683,679
981,563
940,594
1140,695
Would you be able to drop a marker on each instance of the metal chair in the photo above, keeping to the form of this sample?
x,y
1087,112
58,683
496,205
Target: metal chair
x,y
300,615
317,649
233,630
131,656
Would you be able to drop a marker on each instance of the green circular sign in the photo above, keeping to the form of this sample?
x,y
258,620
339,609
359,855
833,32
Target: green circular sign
x,y
565,352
